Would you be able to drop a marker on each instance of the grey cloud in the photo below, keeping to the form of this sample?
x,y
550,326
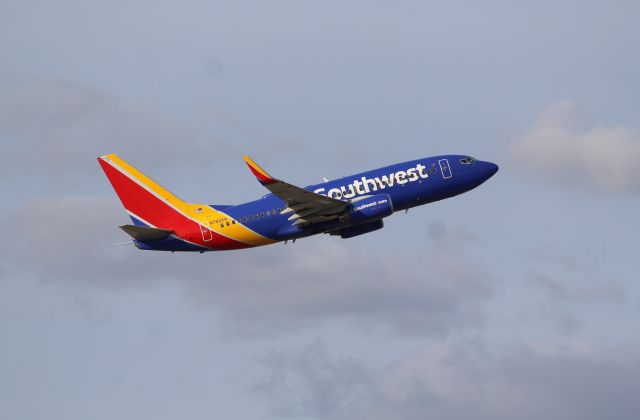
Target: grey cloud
x,y
564,150
312,383
437,230
565,278
562,296
432,291
531,382
326,279
59,127
56,126
213,66
466,380
449,236
581,287
563,286
62,240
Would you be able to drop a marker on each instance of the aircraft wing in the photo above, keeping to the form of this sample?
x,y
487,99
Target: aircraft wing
x,y
307,207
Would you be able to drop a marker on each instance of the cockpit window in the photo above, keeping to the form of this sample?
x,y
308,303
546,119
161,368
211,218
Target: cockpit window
x,y
467,161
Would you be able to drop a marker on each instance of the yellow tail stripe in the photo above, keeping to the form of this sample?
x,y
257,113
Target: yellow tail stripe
x,y
200,213
255,166
147,182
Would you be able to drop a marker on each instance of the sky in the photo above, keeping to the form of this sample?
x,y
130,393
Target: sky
x,y
519,299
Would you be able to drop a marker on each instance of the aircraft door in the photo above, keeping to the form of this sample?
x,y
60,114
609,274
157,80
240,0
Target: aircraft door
x,y
207,235
445,169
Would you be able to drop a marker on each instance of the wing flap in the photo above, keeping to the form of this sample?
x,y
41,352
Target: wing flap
x,y
308,206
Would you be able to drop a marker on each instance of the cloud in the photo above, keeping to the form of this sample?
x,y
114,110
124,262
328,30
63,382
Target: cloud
x,y
312,382
460,380
63,240
563,278
59,126
531,382
576,287
428,293
431,290
563,150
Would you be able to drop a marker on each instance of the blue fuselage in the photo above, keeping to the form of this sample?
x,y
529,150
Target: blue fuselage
x,y
408,184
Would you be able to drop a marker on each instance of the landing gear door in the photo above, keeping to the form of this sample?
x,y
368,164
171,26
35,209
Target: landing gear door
x,y
444,168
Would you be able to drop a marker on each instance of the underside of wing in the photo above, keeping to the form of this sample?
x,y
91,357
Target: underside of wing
x,y
305,206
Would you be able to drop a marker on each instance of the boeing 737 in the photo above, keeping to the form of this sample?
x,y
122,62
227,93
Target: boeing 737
x,y
347,207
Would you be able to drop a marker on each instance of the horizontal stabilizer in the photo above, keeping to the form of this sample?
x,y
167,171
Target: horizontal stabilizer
x,y
144,233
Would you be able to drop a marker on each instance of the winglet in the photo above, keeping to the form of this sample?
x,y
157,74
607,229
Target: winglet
x,y
259,173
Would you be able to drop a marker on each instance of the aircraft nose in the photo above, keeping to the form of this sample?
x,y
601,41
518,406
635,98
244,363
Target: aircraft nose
x,y
489,169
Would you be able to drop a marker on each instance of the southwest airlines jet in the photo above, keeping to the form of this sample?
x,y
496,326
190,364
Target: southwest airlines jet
x,y
347,207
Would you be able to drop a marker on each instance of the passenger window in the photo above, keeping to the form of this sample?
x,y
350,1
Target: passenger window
x,y
233,222
227,223
268,213
262,214
221,225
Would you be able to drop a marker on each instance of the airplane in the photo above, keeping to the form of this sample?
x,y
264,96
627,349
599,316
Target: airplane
x,y
346,207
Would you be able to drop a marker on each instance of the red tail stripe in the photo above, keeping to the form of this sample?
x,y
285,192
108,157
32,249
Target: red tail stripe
x,y
141,202
263,179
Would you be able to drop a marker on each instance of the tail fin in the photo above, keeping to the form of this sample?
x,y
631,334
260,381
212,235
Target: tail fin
x,y
147,203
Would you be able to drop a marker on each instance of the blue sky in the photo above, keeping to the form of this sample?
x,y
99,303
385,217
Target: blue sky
x,y
518,299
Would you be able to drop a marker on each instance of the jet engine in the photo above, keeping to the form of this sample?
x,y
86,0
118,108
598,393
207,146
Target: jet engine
x,y
369,208
351,231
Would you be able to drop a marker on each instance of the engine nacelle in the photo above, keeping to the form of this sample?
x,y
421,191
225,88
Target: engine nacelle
x,y
370,208
351,231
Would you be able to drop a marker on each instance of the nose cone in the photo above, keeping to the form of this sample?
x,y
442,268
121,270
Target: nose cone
x,y
489,169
